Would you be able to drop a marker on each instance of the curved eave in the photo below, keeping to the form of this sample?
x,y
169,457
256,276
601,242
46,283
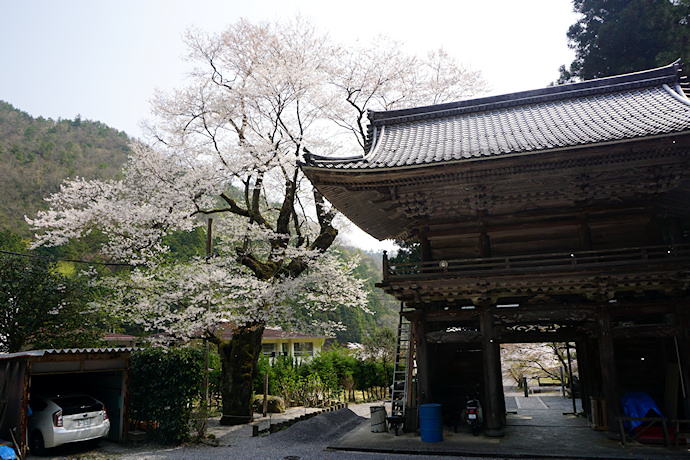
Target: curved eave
x,y
369,177
368,196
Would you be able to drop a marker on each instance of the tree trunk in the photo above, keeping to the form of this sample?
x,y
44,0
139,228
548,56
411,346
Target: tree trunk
x,y
239,357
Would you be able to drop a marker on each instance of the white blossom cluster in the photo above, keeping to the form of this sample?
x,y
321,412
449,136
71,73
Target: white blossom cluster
x,y
157,195
184,300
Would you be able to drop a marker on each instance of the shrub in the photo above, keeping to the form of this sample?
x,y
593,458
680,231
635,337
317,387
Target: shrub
x,y
164,382
322,378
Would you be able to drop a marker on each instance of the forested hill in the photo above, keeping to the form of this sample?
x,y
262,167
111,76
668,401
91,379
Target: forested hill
x,y
37,154
384,307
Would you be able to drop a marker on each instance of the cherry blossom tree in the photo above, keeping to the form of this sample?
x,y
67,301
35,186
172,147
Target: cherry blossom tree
x,y
531,359
381,76
227,146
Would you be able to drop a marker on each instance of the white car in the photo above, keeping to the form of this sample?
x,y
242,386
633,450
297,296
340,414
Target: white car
x,y
60,419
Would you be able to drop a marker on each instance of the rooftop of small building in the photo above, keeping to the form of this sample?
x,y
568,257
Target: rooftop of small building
x,y
65,351
621,108
277,333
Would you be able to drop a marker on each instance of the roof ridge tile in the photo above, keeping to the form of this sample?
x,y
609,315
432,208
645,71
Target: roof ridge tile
x,y
653,77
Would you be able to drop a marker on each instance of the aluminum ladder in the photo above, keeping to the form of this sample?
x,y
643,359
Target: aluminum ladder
x,y
401,374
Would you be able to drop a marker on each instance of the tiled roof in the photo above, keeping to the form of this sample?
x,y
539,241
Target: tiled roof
x,y
117,336
620,108
272,333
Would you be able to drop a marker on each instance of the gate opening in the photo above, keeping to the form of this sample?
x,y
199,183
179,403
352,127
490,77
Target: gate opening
x,y
541,383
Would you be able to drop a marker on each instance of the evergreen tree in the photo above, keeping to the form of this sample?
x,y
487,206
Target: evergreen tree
x,y
37,154
621,36
41,307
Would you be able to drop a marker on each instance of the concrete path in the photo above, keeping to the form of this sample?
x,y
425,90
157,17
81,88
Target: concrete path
x,y
540,426
538,429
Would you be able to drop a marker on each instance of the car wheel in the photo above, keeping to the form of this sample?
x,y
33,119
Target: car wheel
x,y
36,444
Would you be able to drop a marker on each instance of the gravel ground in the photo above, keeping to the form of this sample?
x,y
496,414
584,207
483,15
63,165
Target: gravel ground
x,y
306,440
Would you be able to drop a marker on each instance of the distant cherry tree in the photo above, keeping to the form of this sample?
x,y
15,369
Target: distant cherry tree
x,y
529,360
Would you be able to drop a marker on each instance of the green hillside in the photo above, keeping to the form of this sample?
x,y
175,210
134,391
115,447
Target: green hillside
x,y
37,154
358,323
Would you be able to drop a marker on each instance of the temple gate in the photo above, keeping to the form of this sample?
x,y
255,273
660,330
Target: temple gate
x,y
554,215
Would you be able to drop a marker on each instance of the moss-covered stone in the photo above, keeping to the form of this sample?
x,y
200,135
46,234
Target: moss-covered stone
x,y
276,404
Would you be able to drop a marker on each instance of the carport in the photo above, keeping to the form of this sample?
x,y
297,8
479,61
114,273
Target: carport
x,y
100,372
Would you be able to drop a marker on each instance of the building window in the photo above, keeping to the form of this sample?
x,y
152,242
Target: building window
x,y
268,349
304,349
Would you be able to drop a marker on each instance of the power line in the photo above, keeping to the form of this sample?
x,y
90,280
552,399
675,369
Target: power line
x,y
76,261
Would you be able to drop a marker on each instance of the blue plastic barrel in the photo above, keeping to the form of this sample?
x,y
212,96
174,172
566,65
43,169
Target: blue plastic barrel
x,y
430,423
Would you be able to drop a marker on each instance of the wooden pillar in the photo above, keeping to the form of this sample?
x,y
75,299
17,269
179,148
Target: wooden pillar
x,y
411,400
607,361
412,397
676,230
584,234
484,241
494,411
386,266
653,228
682,343
499,382
424,244
424,393
584,370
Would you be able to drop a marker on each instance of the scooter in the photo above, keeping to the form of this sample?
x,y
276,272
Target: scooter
x,y
472,415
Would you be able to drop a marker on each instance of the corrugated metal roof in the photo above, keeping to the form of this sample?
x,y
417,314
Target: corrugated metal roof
x,y
65,351
620,108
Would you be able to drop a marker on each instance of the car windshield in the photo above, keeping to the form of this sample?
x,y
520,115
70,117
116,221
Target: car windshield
x,y
77,404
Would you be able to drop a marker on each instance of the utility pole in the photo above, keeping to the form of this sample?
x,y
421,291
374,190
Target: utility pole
x,y
209,251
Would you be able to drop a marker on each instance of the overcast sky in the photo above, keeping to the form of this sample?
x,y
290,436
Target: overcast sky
x,y
102,59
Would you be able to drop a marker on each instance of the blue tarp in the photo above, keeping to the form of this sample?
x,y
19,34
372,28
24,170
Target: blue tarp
x,y
7,453
638,404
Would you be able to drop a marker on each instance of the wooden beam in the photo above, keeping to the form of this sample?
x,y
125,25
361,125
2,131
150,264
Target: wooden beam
x,y
538,337
563,313
528,221
644,330
640,308
454,337
452,314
